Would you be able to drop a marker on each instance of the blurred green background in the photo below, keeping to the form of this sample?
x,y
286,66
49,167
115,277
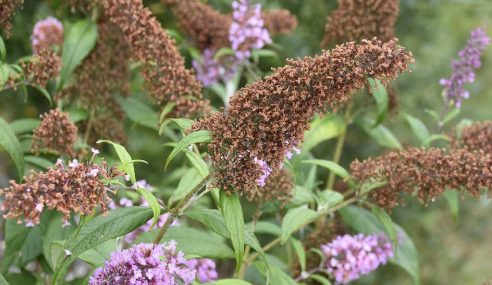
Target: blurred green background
x,y
451,252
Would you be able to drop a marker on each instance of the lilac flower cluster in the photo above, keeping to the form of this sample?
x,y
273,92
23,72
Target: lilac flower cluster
x,y
463,69
211,70
348,257
266,171
125,202
46,34
205,269
247,30
145,264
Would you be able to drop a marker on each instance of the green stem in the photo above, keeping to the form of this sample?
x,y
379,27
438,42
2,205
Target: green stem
x,y
339,147
176,211
245,264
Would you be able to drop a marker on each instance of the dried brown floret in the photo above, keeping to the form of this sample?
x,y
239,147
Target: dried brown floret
x,y
167,79
7,10
267,118
103,74
355,20
56,132
428,172
279,187
210,29
477,136
42,67
108,128
279,21
76,188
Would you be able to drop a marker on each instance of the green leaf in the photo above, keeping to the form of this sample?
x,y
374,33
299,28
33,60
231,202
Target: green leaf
x,y
263,227
322,280
229,282
434,138
45,93
153,203
380,133
299,250
10,143
295,219
181,123
330,126
380,95
15,237
3,50
2,279
327,199
387,223
233,216
224,51
198,163
166,110
80,39
202,243
453,198
96,256
77,115
418,128
280,277
214,221
450,116
24,125
118,223
195,137
125,159
139,112
365,222
188,182
332,166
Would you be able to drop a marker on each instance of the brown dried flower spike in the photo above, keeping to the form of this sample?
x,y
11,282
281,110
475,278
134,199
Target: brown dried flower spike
x,y
56,132
428,172
355,20
476,137
279,187
7,10
166,77
267,118
77,188
42,67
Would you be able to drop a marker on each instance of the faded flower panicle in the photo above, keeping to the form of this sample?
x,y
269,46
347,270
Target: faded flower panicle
x,y
7,10
247,31
106,127
278,187
202,23
42,67
429,172
204,268
106,71
349,257
279,21
355,20
476,137
47,33
463,69
267,118
167,79
56,132
210,70
210,28
77,188
145,264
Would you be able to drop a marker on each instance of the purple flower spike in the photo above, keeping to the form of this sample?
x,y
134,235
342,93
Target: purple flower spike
x,y
145,264
247,30
463,69
205,269
349,257
210,70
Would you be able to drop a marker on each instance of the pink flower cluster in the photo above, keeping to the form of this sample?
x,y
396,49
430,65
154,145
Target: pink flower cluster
x,y
47,33
348,257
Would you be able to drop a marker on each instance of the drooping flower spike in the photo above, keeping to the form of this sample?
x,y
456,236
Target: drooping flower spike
x,y
267,119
